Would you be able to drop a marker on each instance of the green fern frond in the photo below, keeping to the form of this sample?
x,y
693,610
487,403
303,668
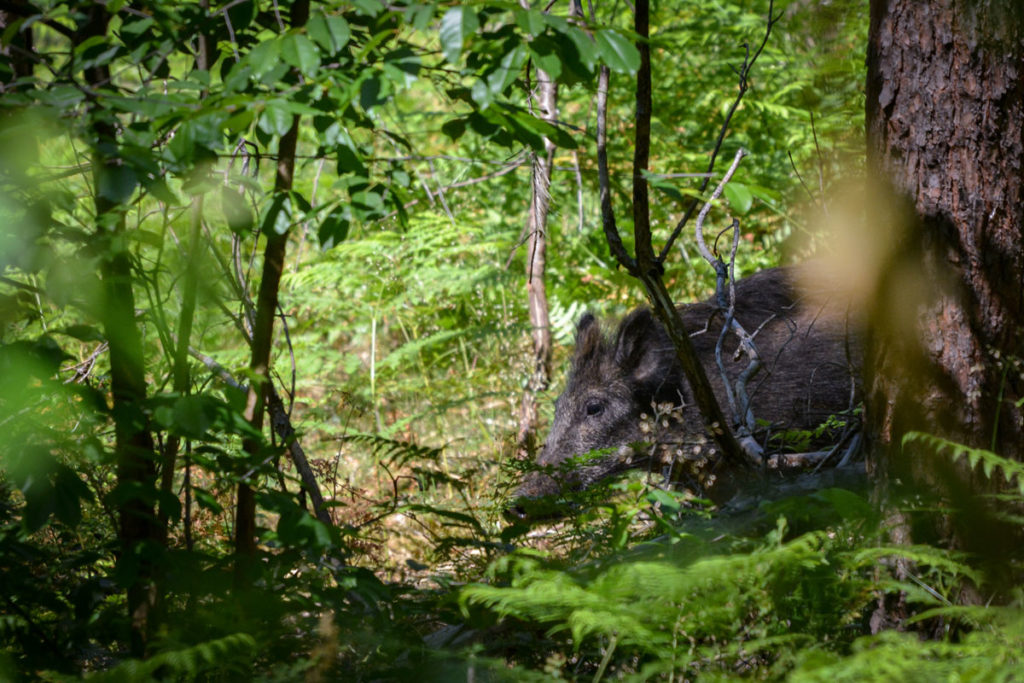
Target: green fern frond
x,y
226,655
983,655
392,452
658,606
942,559
989,461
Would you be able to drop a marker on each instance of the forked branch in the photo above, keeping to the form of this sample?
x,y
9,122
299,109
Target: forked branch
x,y
644,266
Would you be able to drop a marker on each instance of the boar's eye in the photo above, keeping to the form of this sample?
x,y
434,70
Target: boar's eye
x,y
594,408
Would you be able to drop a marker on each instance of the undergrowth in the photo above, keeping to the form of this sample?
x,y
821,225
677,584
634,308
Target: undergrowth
x,y
789,592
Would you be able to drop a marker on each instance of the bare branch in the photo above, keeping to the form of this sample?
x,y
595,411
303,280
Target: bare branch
x,y
744,85
649,271
282,425
701,243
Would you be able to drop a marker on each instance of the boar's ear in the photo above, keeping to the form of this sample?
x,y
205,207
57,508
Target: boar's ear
x,y
636,344
588,339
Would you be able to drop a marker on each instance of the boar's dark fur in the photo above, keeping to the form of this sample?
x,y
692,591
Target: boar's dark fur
x,y
628,388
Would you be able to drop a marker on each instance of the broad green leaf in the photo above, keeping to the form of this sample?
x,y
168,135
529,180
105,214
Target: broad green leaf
x,y
545,53
145,237
264,57
400,177
236,210
482,95
739,197
451,34
159,188
456,24
300,52
454,128
368,7
334,227
530,21
240,121
329,32
116,182
61,96
765,194
419,16
664,186
276,118
135,28
370,94
579,53
241,13
617,51
403,66
350,158
541,127
193,416
278,218
664,499
369,200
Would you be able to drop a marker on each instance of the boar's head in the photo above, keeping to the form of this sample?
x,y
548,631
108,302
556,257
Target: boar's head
x,y
612,383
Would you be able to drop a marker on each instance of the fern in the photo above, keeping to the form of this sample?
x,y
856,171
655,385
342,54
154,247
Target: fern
x,y
983,655
227,655
708,613
955,564
988,460
394,453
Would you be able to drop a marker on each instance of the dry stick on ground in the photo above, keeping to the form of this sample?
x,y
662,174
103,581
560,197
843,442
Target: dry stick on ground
x,y
645,267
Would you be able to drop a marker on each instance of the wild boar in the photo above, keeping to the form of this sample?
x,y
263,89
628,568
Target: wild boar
x,y
626,394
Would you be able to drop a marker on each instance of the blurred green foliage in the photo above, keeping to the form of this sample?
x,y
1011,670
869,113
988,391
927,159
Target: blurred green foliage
x,y
402,345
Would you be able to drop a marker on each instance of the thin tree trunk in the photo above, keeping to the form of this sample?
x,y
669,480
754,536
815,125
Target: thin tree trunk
x,y
134,447
263,331
182,381
536,253
945,126
262,338
646,267
18,50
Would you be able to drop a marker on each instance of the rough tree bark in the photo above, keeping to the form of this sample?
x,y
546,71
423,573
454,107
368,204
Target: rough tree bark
x,y
945,117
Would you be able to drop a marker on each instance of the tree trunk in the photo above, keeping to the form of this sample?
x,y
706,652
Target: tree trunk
x,y
646,267
945,115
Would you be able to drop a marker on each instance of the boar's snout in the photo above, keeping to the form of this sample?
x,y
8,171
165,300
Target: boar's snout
x,y
534,499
